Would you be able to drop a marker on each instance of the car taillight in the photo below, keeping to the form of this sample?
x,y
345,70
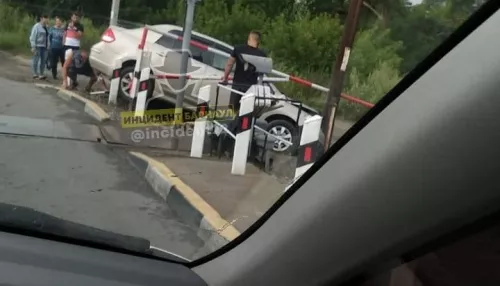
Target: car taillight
x,y
108,36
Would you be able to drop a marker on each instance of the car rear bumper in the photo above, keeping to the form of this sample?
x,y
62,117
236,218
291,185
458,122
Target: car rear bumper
x,y
101,60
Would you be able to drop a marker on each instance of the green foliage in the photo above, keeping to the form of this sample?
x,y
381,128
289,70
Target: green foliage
x,y
92,34
215,18
15,29
371,88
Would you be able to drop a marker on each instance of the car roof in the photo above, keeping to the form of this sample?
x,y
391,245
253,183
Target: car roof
x,y
167,28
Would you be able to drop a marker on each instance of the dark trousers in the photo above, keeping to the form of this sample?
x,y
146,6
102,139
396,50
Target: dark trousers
x,y
56,55
70,47
234,98
234,102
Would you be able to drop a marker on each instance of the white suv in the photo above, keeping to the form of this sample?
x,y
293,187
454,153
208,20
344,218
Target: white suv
x,y
119,45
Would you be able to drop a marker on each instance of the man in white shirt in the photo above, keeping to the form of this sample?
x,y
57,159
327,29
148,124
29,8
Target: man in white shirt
x,y
77,63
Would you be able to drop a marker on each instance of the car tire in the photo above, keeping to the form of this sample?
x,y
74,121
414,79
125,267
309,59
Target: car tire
x,y
126,73
278,126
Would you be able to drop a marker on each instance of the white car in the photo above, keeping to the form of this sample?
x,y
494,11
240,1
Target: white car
x,y
119,46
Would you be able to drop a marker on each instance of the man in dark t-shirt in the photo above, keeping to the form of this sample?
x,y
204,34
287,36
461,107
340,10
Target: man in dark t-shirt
x,y
244,75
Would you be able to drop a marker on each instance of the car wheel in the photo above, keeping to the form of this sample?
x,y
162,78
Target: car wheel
x,y
287,131
126,78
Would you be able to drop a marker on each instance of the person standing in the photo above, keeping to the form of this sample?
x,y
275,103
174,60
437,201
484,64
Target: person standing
x,y
39,41
56,35
73,32
244,75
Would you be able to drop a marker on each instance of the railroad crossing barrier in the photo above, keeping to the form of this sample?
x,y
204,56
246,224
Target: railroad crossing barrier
x,y
245,129
139,67
142,86
243,134
138,64
308,149
114,85
309,144
200,124
286,77
245,120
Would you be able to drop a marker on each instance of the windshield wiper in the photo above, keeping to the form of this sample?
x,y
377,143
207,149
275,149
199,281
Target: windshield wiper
x,y
28,219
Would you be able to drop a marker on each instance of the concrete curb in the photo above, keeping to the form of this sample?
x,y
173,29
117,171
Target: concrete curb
x,y
89,107
186,203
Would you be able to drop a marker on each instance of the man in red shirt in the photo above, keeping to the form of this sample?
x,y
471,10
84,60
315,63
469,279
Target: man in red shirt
x,y
73,32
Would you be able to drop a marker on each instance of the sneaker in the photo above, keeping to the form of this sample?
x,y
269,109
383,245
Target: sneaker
x,y
35,76
42,77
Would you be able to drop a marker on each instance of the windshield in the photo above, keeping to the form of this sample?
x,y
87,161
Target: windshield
x,y
104,142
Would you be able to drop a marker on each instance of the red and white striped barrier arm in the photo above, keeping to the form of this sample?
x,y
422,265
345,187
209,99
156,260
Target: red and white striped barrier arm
x,y
204,77
286,76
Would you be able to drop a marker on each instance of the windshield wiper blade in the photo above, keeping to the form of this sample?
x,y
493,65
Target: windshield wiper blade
x,y
29,219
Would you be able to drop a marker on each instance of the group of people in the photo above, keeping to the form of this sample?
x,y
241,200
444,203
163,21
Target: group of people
x,y
60,44
51,45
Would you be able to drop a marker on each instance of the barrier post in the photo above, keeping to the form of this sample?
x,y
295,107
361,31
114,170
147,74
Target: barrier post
x,y
200,123
243,135
138,64
143,84
114,84
309,143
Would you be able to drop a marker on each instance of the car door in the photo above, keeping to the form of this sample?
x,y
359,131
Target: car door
x,y
219,64
163,60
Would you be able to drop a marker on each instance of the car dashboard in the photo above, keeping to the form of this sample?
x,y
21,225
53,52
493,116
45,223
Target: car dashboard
x,y
26,260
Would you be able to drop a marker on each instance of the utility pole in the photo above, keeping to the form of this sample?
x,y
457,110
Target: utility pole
x,y
115,8
186,39
339,68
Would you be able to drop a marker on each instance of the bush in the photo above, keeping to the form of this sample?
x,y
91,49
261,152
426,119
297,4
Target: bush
x,y
214,18
15,29
371,89
92,34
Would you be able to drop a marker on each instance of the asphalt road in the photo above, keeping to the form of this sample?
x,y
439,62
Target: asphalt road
x,y
75,178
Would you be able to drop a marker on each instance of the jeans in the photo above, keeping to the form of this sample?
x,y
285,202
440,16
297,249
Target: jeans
x,y
56,55
39,61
